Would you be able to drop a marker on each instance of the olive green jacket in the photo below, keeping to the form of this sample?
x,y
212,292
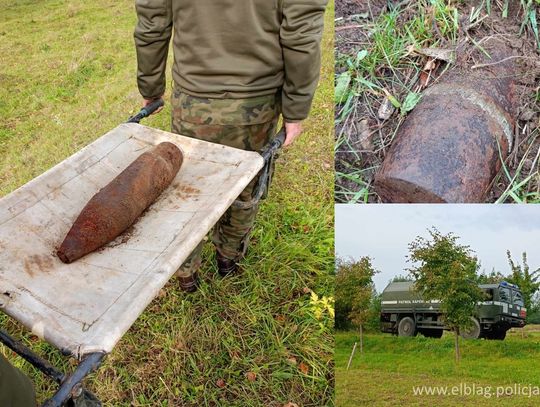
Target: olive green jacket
x,y
232,49
16,390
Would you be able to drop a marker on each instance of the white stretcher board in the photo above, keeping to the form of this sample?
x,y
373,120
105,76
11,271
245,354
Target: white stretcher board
x,y
88,305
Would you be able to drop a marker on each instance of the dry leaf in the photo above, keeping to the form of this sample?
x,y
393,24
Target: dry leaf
x,y
290,404
443,54
251,376
303,368
430,65
527,115
292,360
366,136
424,79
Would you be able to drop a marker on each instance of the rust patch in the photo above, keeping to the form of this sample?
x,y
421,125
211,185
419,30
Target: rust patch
x,y
38,263
447,150
184,191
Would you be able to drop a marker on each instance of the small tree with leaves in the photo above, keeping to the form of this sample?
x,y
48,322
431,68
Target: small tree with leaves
x,y
527,281
354,290
447,271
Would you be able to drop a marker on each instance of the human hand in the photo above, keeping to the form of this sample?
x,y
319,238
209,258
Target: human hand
x,y
292,131
146,102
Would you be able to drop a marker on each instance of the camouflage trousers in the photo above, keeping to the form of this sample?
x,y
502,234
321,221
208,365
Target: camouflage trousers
x,y
246,124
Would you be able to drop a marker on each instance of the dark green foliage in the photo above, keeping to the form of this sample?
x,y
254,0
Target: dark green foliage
x,y
354,288
527,281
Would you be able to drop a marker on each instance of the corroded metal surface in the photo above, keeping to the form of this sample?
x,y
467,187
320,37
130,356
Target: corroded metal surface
x,y
449,148
115,207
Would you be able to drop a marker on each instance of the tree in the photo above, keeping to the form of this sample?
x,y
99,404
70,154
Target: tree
x,y
401,279
374,322
351,276
527,281
495,277
447,271
354,289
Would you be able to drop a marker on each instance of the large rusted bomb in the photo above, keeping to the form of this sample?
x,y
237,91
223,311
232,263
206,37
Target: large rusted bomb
x,y
450,147
116,206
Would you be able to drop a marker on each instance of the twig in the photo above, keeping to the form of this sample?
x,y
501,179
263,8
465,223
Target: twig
x,y
498,62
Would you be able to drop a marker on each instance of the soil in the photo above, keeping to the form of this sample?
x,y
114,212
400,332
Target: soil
x,y
359,153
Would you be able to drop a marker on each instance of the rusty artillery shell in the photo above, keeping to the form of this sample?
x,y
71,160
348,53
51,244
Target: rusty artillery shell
x,y
116,206
449,148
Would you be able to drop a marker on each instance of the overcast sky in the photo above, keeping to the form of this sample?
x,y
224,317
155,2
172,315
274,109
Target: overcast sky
x,y
383,232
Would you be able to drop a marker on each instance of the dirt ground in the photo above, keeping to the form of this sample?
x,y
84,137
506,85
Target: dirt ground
x,y
358,157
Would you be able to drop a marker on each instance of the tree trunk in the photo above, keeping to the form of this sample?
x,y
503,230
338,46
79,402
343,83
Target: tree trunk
x,y
458,356
361,340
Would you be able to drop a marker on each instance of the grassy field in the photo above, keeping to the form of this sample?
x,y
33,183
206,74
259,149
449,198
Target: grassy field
x,y
385,375
257,339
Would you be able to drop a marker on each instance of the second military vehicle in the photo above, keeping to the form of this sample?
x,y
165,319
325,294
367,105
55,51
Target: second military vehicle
x,y
405,313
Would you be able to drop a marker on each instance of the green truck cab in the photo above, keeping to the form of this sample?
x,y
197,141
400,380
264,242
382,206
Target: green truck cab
x,y
405,313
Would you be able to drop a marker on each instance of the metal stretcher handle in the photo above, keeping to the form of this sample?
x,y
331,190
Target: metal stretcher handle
x,y
265,175
146,111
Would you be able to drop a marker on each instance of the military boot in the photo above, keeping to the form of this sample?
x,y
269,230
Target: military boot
x,y
189,283
226,266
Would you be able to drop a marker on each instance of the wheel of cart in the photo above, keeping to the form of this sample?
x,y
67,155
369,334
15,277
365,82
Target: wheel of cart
x,y
84,308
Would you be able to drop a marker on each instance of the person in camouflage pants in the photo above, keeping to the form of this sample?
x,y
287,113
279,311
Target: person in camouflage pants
x,y
238,66
247,124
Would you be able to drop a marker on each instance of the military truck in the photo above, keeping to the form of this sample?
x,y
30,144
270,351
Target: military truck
x,y
405,313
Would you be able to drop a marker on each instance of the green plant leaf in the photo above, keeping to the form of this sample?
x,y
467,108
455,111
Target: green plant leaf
x,y
410,102
534,25
361,55
393,100
342,87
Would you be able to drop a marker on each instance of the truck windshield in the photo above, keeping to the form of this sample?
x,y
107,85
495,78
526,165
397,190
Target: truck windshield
x,y
518,298
504,294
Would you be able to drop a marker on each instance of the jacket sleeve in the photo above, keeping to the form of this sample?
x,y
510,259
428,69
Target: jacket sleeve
x,y
300,36
152,36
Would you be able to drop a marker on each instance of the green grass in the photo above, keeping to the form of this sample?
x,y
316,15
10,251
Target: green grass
x,y
69,79
391,366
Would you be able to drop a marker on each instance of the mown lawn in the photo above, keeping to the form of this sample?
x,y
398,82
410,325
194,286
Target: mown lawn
x,y
390,367
67,77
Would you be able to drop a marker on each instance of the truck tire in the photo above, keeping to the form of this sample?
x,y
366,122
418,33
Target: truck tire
x,y
407,327
474,331
498,335
432,333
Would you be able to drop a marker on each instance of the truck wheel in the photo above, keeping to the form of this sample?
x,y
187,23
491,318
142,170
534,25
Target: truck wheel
x,y
474,331
406,327
499,335
433,333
